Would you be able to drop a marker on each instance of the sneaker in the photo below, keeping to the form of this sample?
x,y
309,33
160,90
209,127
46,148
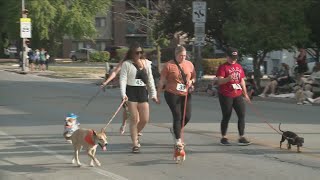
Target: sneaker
x,y
243,142
262,95
310,100
271,95
225,142
299,103
306,103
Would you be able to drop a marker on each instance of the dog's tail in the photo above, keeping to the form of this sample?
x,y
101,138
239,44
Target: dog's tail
x,y
279,128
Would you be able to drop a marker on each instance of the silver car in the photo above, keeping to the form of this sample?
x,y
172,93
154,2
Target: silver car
x,y
81,54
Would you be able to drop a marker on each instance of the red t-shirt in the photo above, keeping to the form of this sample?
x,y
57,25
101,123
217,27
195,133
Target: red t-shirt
x,y
231,88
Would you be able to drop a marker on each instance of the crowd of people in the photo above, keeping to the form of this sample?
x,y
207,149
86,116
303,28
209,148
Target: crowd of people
x,y
176,82
38,59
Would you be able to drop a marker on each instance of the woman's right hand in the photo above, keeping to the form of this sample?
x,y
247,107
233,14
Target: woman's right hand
x,y
125,98
103,85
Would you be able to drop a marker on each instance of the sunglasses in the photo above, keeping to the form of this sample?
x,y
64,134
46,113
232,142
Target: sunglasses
x,y
139,52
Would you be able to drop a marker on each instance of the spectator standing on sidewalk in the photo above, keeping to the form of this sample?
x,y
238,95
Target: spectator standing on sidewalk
x,y
42,59
232,93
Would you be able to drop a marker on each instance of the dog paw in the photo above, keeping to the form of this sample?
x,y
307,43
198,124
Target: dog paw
x,y
91,164
98,163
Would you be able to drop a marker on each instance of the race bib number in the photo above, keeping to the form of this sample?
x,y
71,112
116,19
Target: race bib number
x,y
181,87
236,86
139,82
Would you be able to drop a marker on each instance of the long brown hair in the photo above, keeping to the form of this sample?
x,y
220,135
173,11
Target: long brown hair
x,y
131,50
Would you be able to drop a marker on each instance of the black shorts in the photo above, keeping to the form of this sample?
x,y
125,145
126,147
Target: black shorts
x,y
137,94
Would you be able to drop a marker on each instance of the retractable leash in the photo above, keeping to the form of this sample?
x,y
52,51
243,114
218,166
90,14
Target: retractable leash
x,y
90,100
114,115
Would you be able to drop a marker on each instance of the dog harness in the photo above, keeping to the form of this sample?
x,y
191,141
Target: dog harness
x,y
89,138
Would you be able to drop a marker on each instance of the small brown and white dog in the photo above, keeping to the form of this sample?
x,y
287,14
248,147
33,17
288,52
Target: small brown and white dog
x,y
89,140
179,154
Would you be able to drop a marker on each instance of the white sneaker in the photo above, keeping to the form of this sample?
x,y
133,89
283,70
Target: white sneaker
x,y
262,95
310,100
272,95
299,103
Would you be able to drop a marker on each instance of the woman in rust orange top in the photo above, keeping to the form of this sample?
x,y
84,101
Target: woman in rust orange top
x,y
177,83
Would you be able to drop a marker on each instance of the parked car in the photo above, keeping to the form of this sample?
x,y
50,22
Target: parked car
x,y
81,54
247,65
11,51
311,62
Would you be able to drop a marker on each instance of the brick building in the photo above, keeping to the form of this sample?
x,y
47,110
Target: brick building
x,y
121,25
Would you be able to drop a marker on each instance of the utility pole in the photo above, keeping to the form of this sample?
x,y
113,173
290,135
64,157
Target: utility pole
x,y
25,63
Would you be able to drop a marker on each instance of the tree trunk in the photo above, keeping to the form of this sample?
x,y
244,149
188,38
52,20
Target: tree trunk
x,y
257,62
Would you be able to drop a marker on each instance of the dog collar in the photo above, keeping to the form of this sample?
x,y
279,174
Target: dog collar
x,y
89,138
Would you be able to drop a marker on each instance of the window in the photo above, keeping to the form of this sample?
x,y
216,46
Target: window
x,y
101,46
100,21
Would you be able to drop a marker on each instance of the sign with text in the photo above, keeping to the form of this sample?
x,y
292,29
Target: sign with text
x,y
25,27
199,11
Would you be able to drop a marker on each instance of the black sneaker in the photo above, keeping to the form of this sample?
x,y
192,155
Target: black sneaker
x,y
243,142
225,142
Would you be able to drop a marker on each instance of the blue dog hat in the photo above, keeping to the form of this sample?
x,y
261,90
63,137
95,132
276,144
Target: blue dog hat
x,y
72,115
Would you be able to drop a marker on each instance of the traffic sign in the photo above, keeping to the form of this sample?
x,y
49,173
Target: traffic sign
x,y
25,27
199,11
199,29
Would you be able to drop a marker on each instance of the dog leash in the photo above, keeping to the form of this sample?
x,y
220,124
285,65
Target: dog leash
x,y
265,121
114,115
184,115
89,101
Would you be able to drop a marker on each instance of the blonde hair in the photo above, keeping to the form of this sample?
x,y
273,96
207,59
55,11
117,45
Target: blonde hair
x,y
179,49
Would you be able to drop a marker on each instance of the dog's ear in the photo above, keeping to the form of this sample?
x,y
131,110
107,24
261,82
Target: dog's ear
x,y
94,133
103,130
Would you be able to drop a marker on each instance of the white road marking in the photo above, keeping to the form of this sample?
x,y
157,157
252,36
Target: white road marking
x,y
64,158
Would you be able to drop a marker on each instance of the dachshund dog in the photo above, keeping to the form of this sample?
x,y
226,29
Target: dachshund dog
x,y
292,138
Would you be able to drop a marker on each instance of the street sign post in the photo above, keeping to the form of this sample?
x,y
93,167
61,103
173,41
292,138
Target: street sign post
x,y
199,11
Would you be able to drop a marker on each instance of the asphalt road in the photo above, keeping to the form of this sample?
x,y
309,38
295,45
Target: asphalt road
x,y
32,111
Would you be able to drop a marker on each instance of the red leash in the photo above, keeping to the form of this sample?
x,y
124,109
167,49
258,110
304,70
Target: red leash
x,y
114,115
184,116
265,121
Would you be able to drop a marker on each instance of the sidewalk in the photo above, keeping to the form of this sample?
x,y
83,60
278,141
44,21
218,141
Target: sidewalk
x,y
97,79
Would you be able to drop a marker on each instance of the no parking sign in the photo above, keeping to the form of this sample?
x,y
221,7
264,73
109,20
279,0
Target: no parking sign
x,y
25,27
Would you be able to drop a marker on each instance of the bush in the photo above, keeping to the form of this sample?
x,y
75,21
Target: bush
x,y
210,66
99,56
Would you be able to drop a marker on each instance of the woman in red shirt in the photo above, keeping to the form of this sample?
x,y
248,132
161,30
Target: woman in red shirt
x,y
231,88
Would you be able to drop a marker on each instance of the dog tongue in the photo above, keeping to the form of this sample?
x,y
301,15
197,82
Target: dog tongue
x,y
104,148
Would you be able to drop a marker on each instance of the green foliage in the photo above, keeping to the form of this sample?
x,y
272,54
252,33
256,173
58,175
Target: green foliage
x,y
100,56
210,66
207,51
53,19
264,26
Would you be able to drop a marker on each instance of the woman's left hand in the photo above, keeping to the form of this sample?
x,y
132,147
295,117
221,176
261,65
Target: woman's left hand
x,y
156,100
247,98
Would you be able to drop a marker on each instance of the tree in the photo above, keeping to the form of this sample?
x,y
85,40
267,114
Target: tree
x,y
313,14
177,17
259,27
54,19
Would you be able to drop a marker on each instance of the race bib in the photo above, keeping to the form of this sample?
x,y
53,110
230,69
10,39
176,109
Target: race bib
x,y
139,82
181,87
236,86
